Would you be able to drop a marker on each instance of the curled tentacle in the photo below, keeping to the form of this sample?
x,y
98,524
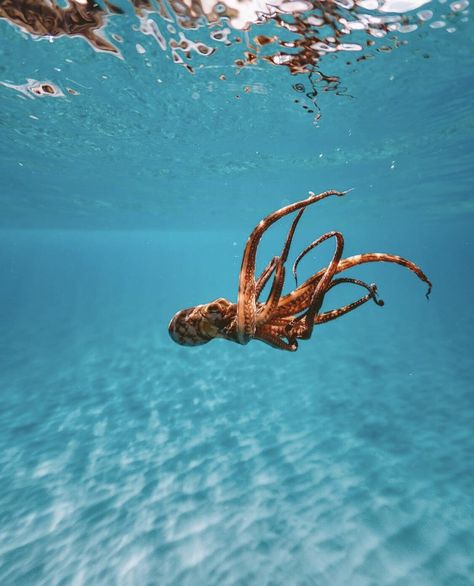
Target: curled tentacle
x,y
279,278
323,284
301,296
304,252
246,300
293,328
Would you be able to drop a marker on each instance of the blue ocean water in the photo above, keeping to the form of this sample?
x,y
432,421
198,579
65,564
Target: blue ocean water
x,y
127,459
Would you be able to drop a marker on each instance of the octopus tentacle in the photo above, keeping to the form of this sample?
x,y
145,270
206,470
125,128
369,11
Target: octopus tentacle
x,y
335,313
277,286
304,252
323,318
294,329
323,284
268,335
298,299
265,276
372,288
273,297
358,259
289,238
246,300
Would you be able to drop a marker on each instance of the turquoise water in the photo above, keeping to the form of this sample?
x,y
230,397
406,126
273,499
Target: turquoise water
x,y
127,459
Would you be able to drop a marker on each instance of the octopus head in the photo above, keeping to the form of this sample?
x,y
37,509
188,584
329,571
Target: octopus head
x,y
198,325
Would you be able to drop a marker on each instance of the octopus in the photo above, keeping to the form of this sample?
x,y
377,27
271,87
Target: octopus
x,y
281,320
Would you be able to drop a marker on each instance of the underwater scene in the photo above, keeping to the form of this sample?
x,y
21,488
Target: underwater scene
x,y
236,253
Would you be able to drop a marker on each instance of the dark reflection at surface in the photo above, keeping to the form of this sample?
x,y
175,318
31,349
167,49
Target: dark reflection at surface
x,y
305,30
42,18
297,34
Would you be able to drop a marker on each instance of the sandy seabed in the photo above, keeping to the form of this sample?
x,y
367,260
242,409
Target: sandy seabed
x,y
127,460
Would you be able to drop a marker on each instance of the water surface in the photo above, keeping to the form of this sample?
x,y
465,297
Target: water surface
x,y
126,459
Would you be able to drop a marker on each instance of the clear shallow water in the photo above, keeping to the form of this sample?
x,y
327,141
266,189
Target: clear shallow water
x,y
125,459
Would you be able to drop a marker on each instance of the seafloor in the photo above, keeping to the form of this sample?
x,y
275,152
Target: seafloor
x,y
125,459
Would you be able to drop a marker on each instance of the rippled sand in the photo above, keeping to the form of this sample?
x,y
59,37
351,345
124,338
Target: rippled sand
x,y
127,460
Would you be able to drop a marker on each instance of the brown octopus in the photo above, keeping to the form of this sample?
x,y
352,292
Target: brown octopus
x,y
280,321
